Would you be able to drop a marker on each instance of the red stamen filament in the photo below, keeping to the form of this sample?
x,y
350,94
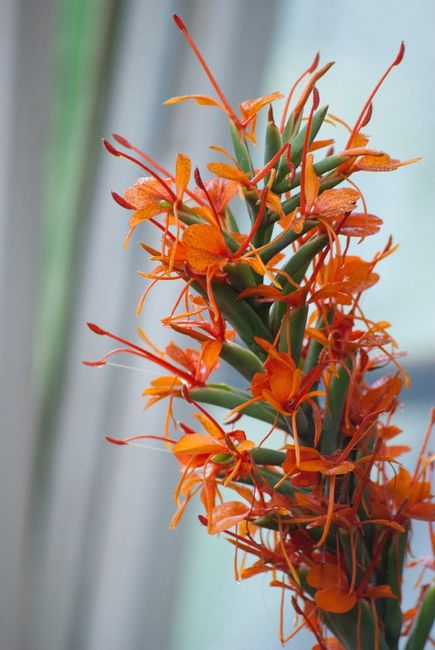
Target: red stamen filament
x,y
148,355
116,152
182,27
367,106
255,225
310,70
125,441
155,164
266,169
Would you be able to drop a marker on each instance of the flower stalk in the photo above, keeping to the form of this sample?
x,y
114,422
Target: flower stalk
x,y
327,510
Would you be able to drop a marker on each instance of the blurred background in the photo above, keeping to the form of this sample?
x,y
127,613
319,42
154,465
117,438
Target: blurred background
x,y
87,560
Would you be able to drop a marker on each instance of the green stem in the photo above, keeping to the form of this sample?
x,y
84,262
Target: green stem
x,y
328,164
423,622
392,615
241,150
315,348
271,478
301,259
242,359
347,627
337,394
284,241
241,276
263,456
298,322
296,267
240,314
230,398
298,141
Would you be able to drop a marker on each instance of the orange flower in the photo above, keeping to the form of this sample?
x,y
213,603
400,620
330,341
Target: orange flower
x,y
199,365
341,279
411,496
332,588
218,453
205,248
220,192
200,447
311,461
383,163
283,385
227,515
145,196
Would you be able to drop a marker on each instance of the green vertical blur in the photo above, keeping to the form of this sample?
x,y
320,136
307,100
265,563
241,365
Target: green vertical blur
x,y
82,56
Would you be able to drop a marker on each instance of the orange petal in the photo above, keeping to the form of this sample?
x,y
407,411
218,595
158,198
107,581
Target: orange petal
x,y
409,614
380,591
319,144
250,107
182,173
353,152
204,237
202,100
327,576
337,201
382,163
360,225
381,395
144,190
176,518
359,140
205,213
334,601
163,385
281,386
205,246
422,511
261,290
210,351
311,184
223,170
388,431
197,443
254,570
211,428
273,202
396,450
399,486
343,468
311,460
227,515
151,209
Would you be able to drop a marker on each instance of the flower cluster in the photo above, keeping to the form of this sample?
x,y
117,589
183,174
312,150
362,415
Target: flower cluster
x,y
326,514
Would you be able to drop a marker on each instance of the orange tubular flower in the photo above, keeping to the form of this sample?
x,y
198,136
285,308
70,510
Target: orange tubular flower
x,y
199,365
145,196
205,248
332,588
341,280
412,497
283,385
